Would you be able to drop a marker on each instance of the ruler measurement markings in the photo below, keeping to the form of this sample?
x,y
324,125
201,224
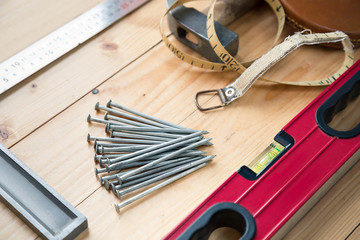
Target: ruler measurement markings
x,y
62,40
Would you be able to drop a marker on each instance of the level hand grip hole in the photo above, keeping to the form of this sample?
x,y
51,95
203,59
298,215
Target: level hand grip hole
x,y
339,115
222,220
225,233
347,118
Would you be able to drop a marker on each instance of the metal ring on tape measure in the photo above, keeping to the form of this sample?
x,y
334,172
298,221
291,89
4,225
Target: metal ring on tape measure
x,y
226,95
261,65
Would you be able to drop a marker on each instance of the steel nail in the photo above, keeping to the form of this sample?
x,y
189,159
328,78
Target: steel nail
x,y
107,116
164,166
121,140
122,114
150,151
154,133
108,183
118,168
112,176
103,159
98,157
89,138
116,186
162,176
122,149
158,186
171,155
106,178
100,170
120,144
92,119
150,129
157,169
162,145
112,104
141,163
138,136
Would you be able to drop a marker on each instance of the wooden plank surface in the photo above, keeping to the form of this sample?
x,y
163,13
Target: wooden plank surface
x,y
43,119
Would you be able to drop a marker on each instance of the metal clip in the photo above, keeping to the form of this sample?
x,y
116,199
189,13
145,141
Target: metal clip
x,y
226,95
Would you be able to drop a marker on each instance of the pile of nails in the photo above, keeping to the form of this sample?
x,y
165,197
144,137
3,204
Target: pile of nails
x,y
142,153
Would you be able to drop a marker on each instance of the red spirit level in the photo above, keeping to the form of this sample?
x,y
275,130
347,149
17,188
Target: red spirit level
x,y
265,199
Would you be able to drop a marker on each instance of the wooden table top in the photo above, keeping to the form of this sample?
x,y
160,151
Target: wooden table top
x,y
43,120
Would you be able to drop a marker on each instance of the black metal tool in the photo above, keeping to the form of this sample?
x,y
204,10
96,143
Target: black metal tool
x,y
189,26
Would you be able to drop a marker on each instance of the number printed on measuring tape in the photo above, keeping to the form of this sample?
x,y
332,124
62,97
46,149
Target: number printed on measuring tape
x,y
231,64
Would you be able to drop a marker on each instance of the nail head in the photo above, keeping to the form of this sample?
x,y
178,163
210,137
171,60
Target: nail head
x,y
97,106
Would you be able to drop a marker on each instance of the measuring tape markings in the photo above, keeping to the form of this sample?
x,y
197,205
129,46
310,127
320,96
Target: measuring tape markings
x,y
184,56
232,63
223,54
310,39
279,12
69,36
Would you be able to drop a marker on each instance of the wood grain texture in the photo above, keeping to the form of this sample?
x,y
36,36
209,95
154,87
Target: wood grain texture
x,y
51,138
71,77
354,234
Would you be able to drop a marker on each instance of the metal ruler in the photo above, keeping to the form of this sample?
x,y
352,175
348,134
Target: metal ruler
x,y
56,44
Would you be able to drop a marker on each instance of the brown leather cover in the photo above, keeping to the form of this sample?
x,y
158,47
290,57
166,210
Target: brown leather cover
x,y
325,16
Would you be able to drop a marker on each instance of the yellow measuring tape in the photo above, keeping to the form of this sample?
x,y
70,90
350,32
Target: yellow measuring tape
x,y
257,68
229,66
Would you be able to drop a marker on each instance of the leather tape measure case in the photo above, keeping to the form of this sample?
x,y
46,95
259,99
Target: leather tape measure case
x,y
325,16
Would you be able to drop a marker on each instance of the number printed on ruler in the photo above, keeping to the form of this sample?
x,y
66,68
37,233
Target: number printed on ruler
x,y
56,44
